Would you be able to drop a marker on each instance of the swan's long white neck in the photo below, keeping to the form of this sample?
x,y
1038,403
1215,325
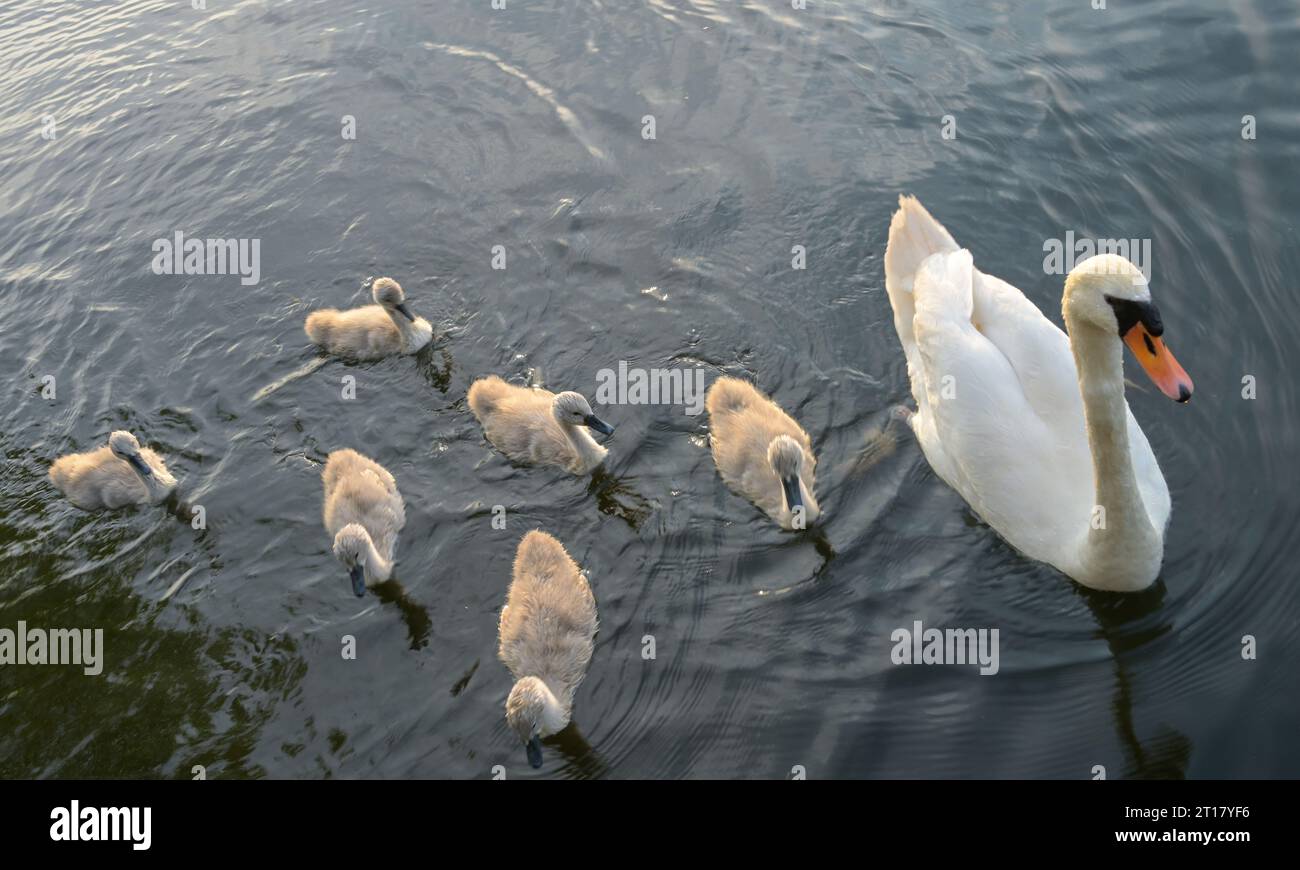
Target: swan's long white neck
x,y
378,567
583,444
555,715
1121,550
157,488
412,330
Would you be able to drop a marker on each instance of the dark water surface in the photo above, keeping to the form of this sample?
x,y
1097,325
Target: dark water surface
x,y
522,128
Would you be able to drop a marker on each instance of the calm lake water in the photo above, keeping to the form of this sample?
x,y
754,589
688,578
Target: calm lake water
x,y
522,129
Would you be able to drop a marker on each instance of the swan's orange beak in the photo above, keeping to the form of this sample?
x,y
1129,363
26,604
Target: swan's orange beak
x,y
1159,363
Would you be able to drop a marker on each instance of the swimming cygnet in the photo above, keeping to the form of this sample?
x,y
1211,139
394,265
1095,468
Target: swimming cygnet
x,y
537,426
762,453
547,634
371,331
118,474
364,512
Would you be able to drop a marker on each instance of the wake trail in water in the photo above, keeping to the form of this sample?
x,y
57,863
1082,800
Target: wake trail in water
x,y
289,378
541,91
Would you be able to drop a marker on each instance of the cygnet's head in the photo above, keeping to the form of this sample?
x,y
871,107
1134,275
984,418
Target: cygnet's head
x,y
388,293
785,455
524,710
1112,294
125,447
351,546
571,409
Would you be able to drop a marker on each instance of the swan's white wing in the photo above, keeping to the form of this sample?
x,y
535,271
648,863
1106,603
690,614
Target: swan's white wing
x,y
1027,474
1040,355
1039,352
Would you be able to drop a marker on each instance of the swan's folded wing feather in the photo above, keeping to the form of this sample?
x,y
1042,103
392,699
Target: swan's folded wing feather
x,y
914,235
1038,351
993,447
1151,480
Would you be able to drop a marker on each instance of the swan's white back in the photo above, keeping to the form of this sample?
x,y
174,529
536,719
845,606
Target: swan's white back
x,y
369,332
360,490
999,412
548,626
742,424
98,479
520,422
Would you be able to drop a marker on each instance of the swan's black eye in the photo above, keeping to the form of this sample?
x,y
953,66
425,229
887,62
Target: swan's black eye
x,y
1129,313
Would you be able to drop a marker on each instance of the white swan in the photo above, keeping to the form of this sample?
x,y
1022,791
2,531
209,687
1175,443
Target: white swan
x,y
546,634
1032,427
371,331
119,474
537,426
364,512
762,453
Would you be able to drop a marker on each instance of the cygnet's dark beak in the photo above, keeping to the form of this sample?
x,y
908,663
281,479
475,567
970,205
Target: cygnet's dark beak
x,y
793,500
594,422
534,750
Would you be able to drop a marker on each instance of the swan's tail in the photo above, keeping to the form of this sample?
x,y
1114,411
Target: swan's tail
x,y
913,236
485,395
319,326
61,473
727,395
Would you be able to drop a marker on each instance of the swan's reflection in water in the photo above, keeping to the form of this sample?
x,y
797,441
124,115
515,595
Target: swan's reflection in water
x,y
581,761
1166,755
419,625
